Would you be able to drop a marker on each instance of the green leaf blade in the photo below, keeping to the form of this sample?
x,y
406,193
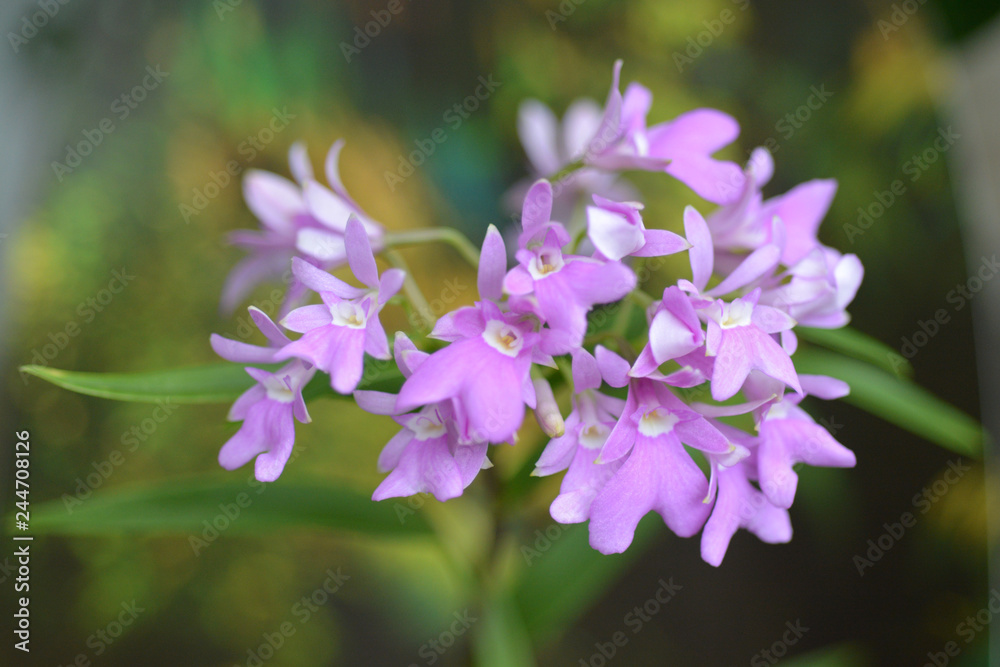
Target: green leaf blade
x,y
212,383
245,505
898,401
860,346
561,583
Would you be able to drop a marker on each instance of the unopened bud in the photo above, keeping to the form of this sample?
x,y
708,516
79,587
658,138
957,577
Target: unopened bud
x,y
547,410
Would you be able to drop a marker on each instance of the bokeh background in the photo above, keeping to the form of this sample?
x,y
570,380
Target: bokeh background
x,y
897,78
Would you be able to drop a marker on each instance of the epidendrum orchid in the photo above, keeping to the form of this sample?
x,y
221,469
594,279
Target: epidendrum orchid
x,y
634,439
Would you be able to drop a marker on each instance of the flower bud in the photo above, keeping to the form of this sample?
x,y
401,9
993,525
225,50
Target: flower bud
x,y
547,410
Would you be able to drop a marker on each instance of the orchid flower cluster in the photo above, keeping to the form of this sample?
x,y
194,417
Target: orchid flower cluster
x,y
634,440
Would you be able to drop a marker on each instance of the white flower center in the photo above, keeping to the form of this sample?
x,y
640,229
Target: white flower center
x,y
657,422
593,436
736,314
426,425
503,338
349,314
545,263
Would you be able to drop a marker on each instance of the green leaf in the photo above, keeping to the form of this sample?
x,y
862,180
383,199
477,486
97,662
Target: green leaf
x,y
502,639
212,383
860,346
900,402
182,507
562,582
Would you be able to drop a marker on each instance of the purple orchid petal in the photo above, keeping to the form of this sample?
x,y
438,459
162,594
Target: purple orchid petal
x,y
307,318
758,263
822,386
321,245
321,281
274,200
580,486
612,234
586,372
248,273
376,402
785,442
717,181
771,320
359,253
390,284
465,322
492,265
393,450
376,342
326,207
657,476
614,369
699,131
801,209
537,210
739,505
702,253
660,243
298,161
241,353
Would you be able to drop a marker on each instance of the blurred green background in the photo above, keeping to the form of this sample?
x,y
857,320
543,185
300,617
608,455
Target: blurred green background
x,y
230,66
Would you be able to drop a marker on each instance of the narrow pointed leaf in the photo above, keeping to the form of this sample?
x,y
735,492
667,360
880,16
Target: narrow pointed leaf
x,y
861,346
212,383
182,507
898,401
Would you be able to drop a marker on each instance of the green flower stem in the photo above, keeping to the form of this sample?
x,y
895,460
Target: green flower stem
x,y
566,171
415,297
641,298
449,235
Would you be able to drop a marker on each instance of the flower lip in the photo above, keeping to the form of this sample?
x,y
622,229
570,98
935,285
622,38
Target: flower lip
x,y
547,260
279,389
593,436
735,314
349,314
505,338
427,424
657,422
